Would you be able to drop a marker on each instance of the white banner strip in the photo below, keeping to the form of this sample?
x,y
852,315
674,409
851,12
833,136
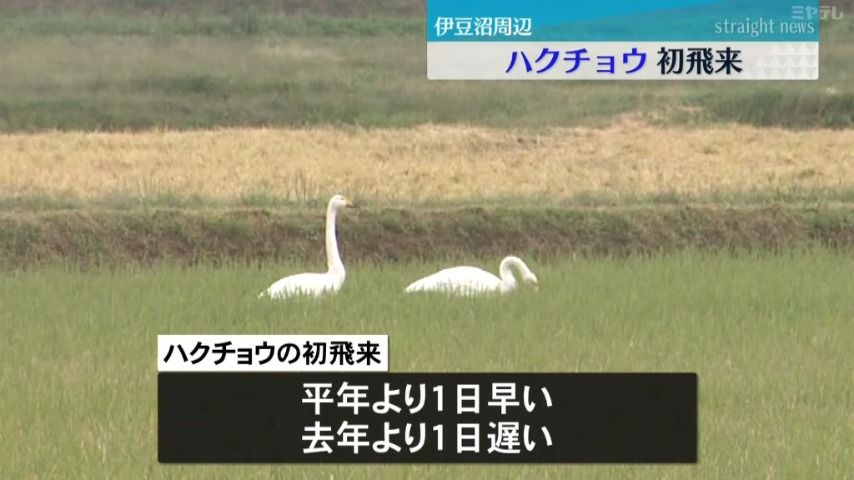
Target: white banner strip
x,y
272,353
622,61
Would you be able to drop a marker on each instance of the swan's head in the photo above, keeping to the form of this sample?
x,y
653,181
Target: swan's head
x,y
525,273
339,202
531,279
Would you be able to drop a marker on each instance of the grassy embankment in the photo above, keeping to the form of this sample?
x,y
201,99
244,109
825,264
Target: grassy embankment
x,y
432,191
324,73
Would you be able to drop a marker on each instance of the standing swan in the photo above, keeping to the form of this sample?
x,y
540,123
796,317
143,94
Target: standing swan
x,y
474,281
317,284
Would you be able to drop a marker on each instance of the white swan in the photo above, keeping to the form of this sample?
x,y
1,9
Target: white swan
x,y
474,281
317,284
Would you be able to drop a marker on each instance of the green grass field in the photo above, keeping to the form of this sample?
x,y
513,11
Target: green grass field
x,y
749,286
769,336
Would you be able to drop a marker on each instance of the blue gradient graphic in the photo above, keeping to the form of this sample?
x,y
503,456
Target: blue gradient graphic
x,y
631,20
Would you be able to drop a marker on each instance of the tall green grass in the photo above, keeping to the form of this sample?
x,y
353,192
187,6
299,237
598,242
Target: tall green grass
x,y
769,336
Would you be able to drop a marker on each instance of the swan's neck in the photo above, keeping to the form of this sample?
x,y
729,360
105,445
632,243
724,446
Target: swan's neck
x,y
505,270
333,258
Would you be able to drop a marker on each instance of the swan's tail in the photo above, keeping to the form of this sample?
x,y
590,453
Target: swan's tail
x,y
264,294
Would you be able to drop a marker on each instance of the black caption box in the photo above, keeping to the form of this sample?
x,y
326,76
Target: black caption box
x,y
264,417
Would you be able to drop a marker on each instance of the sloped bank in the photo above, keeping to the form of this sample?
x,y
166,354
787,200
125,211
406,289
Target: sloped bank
x,y
92,237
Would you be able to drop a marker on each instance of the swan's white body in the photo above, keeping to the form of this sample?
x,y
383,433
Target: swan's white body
x,y
313,284
316,284
474,281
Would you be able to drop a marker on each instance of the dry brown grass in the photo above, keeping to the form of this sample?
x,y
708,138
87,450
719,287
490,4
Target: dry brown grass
x,y
428,162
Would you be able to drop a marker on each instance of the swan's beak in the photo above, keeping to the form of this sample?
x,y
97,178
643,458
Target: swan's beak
x,y
351,204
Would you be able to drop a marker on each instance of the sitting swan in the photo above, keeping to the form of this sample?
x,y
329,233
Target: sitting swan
x,y
317,284
474,281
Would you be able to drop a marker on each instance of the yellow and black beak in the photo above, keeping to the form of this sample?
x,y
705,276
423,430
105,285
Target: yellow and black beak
x,y
351,204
